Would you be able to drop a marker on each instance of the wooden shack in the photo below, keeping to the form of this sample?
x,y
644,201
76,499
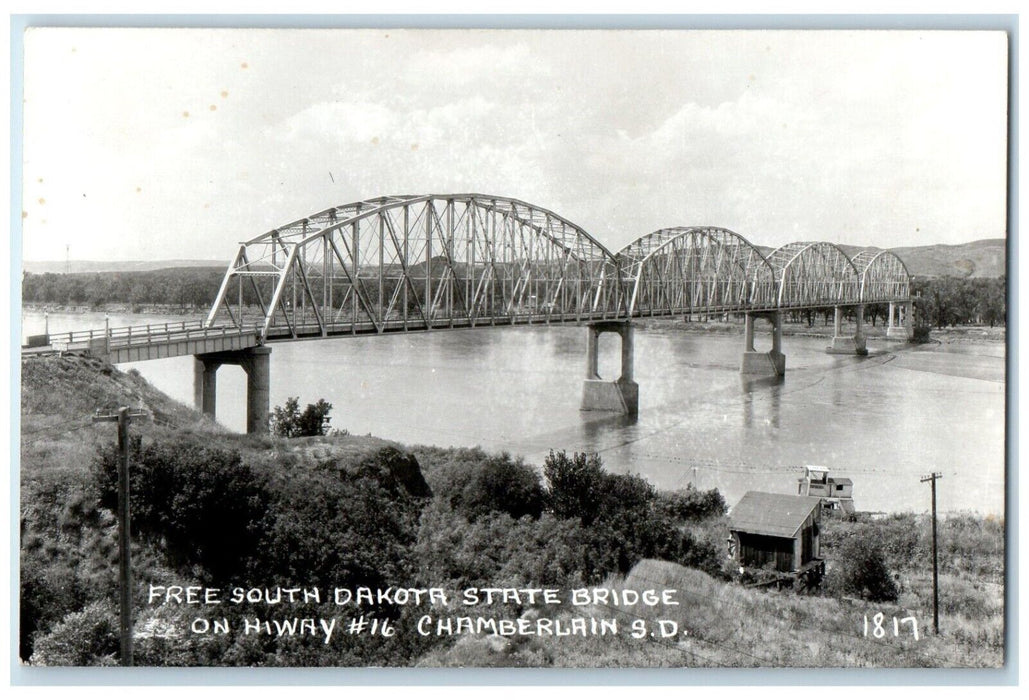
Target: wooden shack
x,y
776,528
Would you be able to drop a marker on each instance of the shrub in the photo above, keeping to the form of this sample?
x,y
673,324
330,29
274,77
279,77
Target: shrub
x,y
625,519
692,504
288,421
504,485
88,637
575,485
202,504
860,570
474,484
338,525
394,470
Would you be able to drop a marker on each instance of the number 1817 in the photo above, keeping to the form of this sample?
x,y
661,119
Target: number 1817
x,y
878,631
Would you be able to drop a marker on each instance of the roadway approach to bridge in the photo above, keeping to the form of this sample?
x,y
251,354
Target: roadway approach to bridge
x,y
421,263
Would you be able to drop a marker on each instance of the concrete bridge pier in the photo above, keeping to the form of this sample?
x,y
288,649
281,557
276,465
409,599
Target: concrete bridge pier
x,y
771,363
848,344
255,362
598,394
903,327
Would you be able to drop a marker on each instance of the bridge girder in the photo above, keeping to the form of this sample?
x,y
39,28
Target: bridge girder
x,y
417,262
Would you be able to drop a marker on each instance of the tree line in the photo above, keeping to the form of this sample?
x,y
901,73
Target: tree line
x,y
188,288
953,301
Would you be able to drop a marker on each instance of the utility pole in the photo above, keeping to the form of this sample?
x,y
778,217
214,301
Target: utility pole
x,y
123,418
932,478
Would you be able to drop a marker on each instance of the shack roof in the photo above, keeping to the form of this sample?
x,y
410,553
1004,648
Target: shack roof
x,y
842,480
772,514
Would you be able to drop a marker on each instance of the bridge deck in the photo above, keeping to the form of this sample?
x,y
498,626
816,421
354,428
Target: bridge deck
x,y
153,342
157,341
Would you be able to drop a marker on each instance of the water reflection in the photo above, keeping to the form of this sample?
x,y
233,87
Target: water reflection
x,y
762,392
594,430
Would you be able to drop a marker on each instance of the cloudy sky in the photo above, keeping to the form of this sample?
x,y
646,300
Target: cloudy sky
x,y
164,143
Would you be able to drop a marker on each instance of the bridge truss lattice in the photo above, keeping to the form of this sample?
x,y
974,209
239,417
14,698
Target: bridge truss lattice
x,y
415,263
418,262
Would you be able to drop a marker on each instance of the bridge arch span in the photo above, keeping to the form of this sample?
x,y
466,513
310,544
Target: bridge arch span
x,y
884,277
417,262
684,269
814,274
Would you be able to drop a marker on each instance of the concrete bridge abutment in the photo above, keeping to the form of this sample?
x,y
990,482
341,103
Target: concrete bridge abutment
x,y
621,395
256,363
771,363
901,317
848,344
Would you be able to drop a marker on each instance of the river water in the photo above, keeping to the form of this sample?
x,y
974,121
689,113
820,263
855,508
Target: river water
x,y
883,420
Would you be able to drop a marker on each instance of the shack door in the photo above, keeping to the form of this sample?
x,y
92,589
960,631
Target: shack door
x,y
807,544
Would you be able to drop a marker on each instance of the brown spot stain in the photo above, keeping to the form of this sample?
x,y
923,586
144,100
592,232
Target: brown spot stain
x,y
244,65
40,180
225,93
24,214
139,189
414,146
42,200
185,113
213,107
375,140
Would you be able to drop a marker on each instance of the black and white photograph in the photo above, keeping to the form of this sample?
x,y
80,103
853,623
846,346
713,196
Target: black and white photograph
x,y
601,348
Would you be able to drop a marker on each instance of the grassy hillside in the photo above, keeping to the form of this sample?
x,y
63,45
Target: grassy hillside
x,y
723,624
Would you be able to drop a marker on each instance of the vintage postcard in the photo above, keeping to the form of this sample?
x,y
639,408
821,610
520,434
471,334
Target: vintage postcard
x,y
543,348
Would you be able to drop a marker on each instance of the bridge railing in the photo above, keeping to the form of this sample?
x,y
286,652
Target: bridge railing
x,y
124,331
130,336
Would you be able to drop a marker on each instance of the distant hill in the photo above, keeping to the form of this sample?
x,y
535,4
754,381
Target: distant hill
x,y
983,258
41,266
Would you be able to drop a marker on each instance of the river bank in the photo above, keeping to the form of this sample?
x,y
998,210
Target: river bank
x,y
119,308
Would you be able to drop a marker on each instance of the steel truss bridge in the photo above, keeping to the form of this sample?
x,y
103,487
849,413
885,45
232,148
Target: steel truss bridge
x,y
412,263
421,262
